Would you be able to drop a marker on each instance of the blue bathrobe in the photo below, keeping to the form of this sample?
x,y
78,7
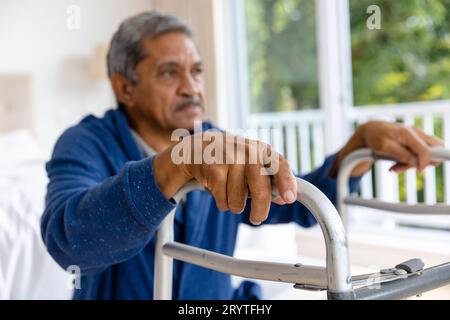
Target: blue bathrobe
x,y
103,208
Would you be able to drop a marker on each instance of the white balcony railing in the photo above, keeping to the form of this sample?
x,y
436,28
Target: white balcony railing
x,y
300,137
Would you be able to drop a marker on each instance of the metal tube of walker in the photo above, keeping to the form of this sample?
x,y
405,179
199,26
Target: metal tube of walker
x,y
343,192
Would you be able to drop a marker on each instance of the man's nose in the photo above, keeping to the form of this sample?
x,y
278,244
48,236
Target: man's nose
x,y
189,86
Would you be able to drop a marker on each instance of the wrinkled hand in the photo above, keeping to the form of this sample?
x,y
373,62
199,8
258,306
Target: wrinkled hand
x,y
229,181
409,146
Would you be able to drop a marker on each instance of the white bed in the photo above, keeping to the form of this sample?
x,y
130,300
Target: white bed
x,y
26,269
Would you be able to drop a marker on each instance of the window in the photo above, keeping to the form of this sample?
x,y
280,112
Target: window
x,y
408,59
282,55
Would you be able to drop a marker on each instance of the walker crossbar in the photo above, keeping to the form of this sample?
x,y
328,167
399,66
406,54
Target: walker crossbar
x,y
312,276
343,191
437,209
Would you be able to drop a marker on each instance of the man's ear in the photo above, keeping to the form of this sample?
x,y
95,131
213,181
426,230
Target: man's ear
x,y
123,89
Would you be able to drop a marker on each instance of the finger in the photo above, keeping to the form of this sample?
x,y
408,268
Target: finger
x,y
435,163
260,192
217,184
430,140
418,146
400,168
271,166
236,188
283,178
285,182
399,153
279,201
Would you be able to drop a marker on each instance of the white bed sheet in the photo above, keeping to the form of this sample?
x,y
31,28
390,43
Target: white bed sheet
x,y
26,269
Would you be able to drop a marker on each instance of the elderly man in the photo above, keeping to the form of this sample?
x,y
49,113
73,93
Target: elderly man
x,y
112,179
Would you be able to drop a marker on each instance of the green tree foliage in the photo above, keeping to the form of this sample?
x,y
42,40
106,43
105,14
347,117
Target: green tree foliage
x,y
408,59
282,55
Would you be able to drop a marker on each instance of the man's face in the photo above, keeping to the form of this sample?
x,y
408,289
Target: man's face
x,y
170,89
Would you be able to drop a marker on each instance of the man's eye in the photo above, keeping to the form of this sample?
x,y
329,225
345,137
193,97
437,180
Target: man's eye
x,y
169,73
198,71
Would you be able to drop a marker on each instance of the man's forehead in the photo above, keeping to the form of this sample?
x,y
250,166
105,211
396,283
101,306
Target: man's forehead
x,y
172,48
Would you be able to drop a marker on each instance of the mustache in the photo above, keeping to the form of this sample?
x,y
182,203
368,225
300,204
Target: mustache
x,y
187,102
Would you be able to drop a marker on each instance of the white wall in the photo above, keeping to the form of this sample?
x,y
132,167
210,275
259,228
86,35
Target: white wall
x,y
35,40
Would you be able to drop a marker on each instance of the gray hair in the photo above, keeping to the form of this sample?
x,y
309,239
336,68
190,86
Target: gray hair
x,y
125,50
